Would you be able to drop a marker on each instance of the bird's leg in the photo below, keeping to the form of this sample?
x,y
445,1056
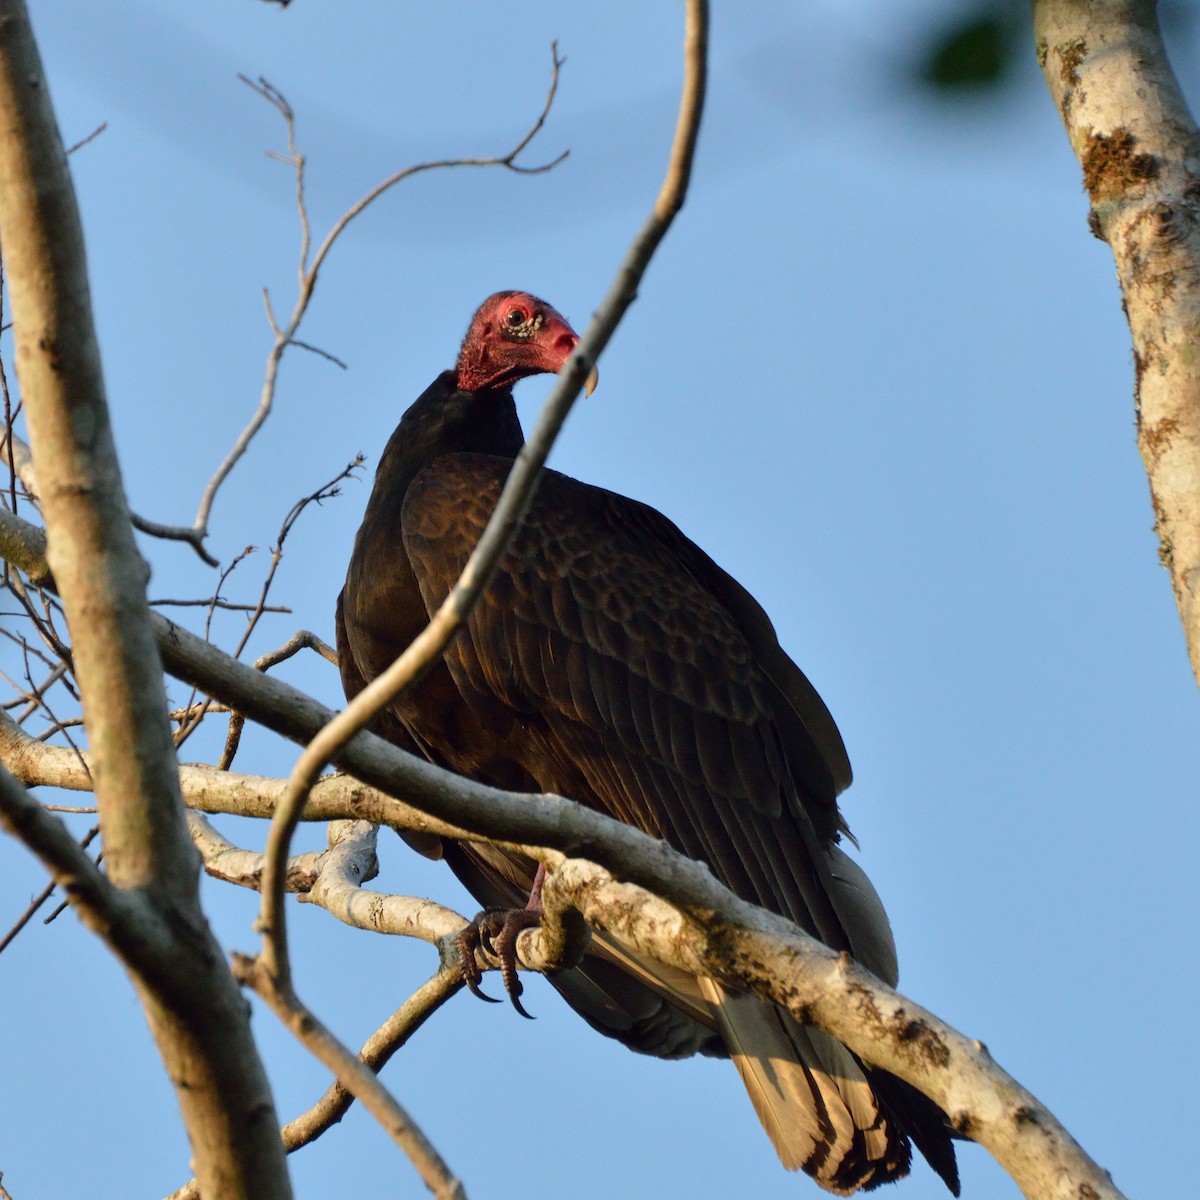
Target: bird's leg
x,y
497,930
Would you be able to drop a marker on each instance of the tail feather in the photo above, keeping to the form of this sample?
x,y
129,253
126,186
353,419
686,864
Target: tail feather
x,y
811,1096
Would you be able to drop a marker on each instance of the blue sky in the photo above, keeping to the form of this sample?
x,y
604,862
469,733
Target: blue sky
x,y
879,371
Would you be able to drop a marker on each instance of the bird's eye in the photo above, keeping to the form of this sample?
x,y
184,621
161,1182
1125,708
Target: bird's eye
x,y
516,318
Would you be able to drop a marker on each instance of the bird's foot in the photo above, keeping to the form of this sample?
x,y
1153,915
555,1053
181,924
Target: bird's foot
x,y
495,931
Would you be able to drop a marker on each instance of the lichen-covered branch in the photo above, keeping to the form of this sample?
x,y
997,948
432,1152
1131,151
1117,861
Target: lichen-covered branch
x,y
1109,74
202,1032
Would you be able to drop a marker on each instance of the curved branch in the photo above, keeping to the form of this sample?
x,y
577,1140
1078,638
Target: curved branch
x,y
1109,74
232,864
346,864
512,506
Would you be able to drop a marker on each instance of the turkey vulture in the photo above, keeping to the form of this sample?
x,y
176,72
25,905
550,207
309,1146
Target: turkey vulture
x,y
612,661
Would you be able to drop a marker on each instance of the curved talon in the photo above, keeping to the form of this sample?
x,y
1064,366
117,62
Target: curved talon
x,y
467,942
505,946
478,992
497,930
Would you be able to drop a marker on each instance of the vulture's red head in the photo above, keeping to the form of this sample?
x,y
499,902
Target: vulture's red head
x,y
514,335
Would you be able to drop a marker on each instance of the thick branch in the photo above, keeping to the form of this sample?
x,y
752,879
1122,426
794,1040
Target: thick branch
x,y
1108,72
763,953
209,1056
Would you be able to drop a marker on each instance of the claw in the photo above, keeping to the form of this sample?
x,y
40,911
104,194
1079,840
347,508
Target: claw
x,y
467,943
505,945
497,930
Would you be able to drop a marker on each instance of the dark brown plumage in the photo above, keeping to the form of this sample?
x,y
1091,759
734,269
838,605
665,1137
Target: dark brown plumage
x,y
614,662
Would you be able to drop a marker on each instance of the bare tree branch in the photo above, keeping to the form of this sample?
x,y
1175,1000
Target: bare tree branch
x,y
91,137
302,640
46,836
382,1044
349,861
202,1031
1109,74
43,895
232,864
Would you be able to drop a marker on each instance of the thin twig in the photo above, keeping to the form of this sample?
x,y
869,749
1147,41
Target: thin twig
x,y
34,698
185,731
186,713
56,727
65,904
325,492
333,358
91,137
21,460
304,640
286,335
45,630
381,1045
176,533
211,602
48,890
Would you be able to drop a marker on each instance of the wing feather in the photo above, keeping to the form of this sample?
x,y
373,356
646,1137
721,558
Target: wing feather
x,y
643,686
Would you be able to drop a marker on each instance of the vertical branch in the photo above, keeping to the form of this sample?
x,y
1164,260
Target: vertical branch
x,y
1108,72
202,1030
